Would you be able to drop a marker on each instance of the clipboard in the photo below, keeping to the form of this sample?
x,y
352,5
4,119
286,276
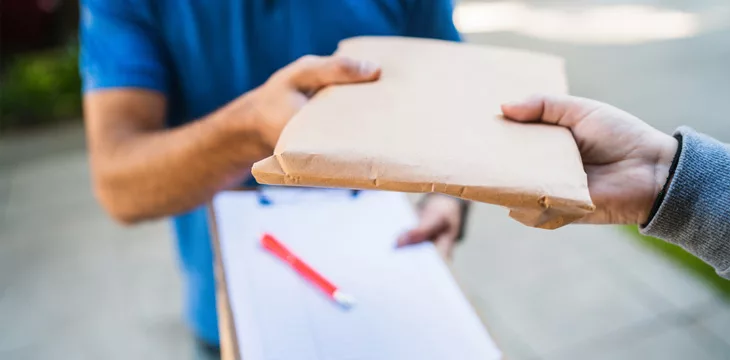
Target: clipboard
x,y
230,348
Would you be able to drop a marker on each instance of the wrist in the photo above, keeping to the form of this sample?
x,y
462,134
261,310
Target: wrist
x,y
239,120
668,150
242,118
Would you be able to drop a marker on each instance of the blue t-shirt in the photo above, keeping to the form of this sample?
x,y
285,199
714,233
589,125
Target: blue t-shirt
x,y
202,54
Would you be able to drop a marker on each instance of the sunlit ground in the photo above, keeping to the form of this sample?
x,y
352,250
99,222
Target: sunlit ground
x,y
613,24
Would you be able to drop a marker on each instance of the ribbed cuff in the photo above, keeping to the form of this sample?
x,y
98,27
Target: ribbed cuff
x,y
694,212
671,211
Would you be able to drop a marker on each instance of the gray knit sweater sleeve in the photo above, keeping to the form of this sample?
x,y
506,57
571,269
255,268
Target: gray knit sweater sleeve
x,y
695,212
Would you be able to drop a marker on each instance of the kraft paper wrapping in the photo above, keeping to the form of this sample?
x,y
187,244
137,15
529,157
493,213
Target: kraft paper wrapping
x,y
433,123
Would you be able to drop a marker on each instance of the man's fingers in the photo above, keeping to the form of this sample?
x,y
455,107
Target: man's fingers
x,y
552,109
311,73
426,229
410,237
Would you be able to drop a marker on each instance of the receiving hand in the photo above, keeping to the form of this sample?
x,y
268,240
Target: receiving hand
x,y
440,221
275,102
627,161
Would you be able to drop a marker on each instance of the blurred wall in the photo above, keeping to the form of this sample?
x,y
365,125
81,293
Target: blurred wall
x,y
29,25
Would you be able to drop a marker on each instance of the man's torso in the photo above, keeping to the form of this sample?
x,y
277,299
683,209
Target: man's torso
x,y
208,52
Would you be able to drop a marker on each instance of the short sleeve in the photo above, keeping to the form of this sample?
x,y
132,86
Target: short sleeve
x,y
432,19
119,47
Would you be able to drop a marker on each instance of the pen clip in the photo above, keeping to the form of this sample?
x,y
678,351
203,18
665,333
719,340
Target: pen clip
x,y
265,200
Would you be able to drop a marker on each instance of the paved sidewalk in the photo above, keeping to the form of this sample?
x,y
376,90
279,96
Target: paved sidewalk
x,y
73,282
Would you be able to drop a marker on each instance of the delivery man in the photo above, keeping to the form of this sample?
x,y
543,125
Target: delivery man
x,y
182,96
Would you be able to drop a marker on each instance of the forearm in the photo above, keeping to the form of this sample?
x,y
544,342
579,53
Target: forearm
x,y
164,172
695,212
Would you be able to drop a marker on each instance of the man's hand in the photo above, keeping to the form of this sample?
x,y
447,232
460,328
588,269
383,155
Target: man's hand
x,y
142,170
627,161
441,217
276,101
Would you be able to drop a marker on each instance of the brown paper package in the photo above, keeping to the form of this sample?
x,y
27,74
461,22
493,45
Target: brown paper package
x,y
433,123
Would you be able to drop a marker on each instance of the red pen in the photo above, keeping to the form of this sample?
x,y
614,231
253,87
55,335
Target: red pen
x,y
270,243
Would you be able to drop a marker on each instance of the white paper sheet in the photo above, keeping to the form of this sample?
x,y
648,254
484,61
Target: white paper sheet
x,y
408,305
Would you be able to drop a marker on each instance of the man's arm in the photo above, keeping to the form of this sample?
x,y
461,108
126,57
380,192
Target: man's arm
x,y
630,165
695,210
140,169
143,171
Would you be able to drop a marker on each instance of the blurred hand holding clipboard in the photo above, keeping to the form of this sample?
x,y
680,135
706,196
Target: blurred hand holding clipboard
x,y
408,305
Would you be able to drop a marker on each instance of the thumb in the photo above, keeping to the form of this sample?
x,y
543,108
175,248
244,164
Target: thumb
x,y
552,109
444,246
311,73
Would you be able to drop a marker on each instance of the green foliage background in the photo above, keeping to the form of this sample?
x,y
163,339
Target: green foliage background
x,y
40,88
688,261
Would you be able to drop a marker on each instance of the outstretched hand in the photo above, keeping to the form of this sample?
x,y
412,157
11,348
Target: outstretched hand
x,y
627,161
